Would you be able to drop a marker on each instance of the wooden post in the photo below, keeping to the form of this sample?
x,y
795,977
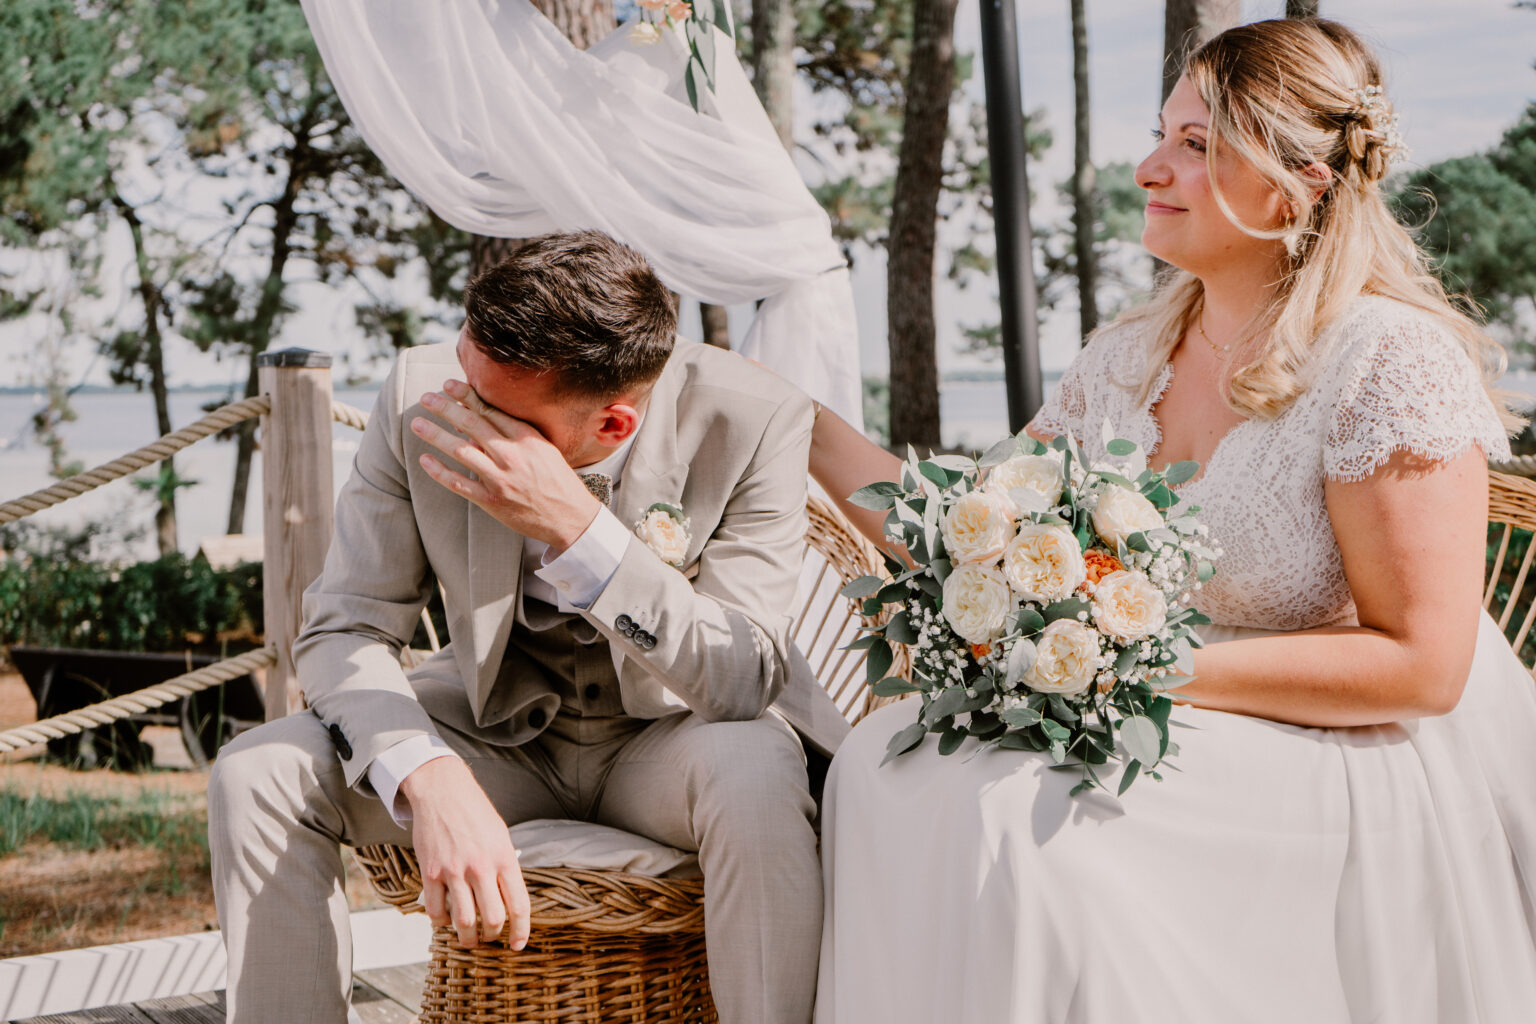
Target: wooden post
x,y
297,502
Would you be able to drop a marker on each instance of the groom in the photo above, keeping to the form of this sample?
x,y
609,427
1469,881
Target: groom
x,y
627,665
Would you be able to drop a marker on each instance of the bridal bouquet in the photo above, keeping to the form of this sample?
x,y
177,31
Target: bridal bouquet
x,y
1046,604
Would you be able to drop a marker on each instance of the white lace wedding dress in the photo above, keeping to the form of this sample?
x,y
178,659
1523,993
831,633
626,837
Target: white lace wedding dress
x,y
1283,874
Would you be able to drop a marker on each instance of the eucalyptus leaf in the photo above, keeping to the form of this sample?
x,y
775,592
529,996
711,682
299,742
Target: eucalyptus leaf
x,y
877,496
900,628
1028,621
861,587
1065,609
1180,472
954,464
863,643
1021,658
941,568
1142,739
893,686
904,741
944,705
938,475
1020,718
950,740
879,662
1120,447
1132,769
999,453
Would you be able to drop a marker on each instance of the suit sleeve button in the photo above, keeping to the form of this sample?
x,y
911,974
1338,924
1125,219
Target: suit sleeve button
x,y
624,624
340,740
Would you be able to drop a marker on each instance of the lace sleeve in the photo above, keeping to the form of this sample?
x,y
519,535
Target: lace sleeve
x,y
1407,386
1066,408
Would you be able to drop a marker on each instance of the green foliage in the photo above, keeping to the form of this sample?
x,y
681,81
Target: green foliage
x,y
877,409
81,821
1476,217
169,604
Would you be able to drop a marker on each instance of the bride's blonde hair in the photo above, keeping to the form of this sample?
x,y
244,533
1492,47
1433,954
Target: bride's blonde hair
x,y
1285,94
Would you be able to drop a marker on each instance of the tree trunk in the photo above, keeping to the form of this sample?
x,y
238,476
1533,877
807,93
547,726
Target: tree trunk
x,y
717,326
284,220
583,22
1187,24
149,295
911,333
1301,8
1083,178
773,63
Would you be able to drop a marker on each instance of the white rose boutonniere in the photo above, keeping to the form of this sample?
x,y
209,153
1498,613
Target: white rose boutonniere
x,y
664,529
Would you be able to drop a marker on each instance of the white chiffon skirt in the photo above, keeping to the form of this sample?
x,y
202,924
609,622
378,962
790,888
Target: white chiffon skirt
x,y
1282,874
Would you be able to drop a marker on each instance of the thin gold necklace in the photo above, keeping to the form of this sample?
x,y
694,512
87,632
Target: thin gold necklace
x,y
1220,350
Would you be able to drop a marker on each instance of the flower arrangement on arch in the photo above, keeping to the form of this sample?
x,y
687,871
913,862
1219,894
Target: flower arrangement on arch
x,y
695,19
1047,603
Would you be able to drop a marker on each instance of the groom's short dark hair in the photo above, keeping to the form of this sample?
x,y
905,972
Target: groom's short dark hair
x,y
578,304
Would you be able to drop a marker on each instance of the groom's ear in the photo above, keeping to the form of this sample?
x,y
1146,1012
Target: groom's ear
x,y
616,423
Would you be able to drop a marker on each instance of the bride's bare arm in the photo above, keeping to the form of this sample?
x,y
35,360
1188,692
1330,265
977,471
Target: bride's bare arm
x,y
842,461
1412,536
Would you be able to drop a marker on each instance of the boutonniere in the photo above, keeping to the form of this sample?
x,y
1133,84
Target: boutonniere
x,y
664,529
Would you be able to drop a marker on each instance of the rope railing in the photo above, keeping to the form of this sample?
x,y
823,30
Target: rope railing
x,y
1519,465
158,451
109,711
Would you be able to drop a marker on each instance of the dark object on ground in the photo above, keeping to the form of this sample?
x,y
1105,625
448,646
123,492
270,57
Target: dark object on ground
x,y
63,679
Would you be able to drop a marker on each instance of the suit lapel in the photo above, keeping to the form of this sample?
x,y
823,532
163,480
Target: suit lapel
x,y
653,472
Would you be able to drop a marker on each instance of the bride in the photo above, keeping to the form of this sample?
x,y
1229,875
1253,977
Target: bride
x,y
1351,834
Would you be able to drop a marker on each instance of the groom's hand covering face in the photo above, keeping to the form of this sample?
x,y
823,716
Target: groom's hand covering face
x,y
519,477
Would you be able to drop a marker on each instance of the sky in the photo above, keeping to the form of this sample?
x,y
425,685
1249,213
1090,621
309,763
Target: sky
x,y
1459,72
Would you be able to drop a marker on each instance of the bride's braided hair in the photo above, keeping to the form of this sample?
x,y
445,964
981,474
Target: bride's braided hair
x,y
1288,97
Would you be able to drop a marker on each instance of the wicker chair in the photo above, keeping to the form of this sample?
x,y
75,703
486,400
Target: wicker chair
x,y
1511,524
616,947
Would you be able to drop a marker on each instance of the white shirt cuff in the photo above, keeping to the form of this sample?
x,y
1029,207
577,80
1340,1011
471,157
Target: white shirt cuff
x,y
581,572
391,767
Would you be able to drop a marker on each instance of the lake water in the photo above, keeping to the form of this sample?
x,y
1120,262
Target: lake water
x,y
113,423
974,414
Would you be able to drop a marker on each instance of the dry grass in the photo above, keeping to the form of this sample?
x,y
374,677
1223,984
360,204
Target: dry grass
x,y
95,857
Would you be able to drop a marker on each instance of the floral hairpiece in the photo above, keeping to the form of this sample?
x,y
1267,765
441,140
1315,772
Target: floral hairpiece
x,y
1373,107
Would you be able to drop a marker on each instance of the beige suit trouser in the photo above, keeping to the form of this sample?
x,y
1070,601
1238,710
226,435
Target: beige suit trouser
x,y
278,807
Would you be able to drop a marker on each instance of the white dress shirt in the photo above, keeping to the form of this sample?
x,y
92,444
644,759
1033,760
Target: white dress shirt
x,y
570,581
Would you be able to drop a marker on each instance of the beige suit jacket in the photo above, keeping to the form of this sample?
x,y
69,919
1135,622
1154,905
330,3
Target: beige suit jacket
x,y
722,438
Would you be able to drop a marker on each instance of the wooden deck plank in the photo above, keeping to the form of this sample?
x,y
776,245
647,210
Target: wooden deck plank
x,y
384,995
127,1014
374,1007
402,984
201,1008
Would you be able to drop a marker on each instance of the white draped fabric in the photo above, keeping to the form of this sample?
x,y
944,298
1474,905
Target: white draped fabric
x,y
500,125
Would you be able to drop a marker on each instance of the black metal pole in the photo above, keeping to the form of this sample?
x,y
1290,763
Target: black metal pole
x,y
1010,210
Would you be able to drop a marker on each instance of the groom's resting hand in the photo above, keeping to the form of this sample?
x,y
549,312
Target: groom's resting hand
x,y
521,480
468,865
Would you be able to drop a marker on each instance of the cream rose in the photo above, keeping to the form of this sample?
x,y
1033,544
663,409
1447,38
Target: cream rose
x,y
1126,605
1122,512
976,603
978,528
665,534
1044,563
1066,658
1040,474
644,34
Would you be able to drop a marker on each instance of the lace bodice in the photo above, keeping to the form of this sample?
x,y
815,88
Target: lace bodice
x,y
1386,378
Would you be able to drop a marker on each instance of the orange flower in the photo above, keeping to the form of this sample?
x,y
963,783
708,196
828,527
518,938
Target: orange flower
x,y
1099,564
979,651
